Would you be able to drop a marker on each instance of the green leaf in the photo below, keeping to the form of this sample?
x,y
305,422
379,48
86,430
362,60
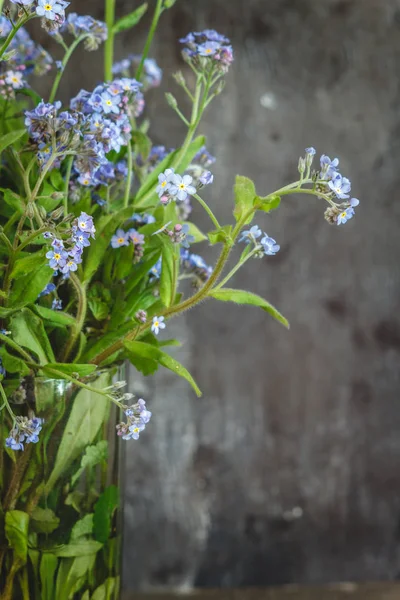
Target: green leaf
x,y
27,288
245,192
73,574
81,548
100,309
141,271
242,297
48,567
103,512
196,233
29,263
43,520
130,20
267,203
221,235
13,200
92,457
70,369
169,274
28,331
147,351
89,412
169,3
16,530
106,228
151,180
55,317
31,94
10,138
106,590
13,364
82,528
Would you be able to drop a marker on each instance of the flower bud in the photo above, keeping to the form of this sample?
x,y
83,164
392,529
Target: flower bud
x,y
302,165
30,210
56,214
171,100
179,78
42,212
57,196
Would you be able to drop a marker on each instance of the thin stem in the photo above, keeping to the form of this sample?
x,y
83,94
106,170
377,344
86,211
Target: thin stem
x,y
5,403
208,210
66,183
237,267
128,182
152,30
109,44
64,63
6,340
28,240
20,23
306,191
6,241
80,315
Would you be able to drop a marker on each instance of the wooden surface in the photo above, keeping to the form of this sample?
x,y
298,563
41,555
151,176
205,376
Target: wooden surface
x,y
345,591
287,470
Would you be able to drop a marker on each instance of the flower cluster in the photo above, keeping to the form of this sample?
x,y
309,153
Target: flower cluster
x,y
26,57
180,234
334,186
266,246
52,11
195,265
95,32
151,76
26,430
130,237
137,418
202,47
174,186
67,260
107,111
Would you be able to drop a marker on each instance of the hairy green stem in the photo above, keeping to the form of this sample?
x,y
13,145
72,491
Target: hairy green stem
x,y
64,63
208,210
66,183
109,43
9,342
152,30
80,315
20,23
6,403
128,183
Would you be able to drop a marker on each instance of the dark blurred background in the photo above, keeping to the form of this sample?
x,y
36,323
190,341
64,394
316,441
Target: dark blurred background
x,y
287,469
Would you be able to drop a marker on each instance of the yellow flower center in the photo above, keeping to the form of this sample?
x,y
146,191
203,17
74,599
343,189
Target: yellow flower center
x,y
86,182
208,50
83,224
48,7
136,430
164,183
57,256
15,79
108,102
343,214
156,323
182,186
121,240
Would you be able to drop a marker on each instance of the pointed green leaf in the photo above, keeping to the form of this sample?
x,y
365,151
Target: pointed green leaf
x,y
29,263
55,317
245,192
70,369
16,530
82,527
152,353
80,548
48,567
10,138
104,510
242,297
92,457
130,20
169,273
28,331
27,287
221,235
44,520
89,412
267,203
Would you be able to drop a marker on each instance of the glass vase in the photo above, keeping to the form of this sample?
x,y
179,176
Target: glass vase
x,y
60,507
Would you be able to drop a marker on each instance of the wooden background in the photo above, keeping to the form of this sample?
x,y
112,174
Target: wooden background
x,y
287,470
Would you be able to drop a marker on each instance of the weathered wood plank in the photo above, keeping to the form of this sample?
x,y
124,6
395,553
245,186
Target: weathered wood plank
x,y
346,591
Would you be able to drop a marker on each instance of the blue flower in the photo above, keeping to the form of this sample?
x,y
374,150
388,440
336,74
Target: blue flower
x,y
180,187
85,224
328,167
110,103
50,287
119,239
251,235
158,323
311,151
71,264
269,245
137,417
155,270
135,237
56,304
80,238
57,258
24,430
348,213
50,9
208,48
340,186
164,182
206,178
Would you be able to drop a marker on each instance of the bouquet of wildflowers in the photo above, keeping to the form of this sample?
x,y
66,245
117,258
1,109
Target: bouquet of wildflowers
x,y
96,240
